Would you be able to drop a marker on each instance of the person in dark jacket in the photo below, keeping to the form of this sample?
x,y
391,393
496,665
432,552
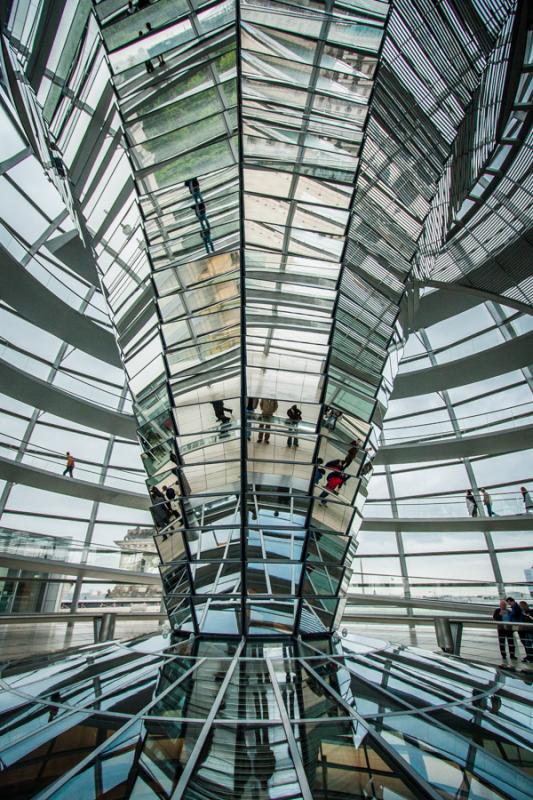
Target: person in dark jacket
x,y
505,632
335,463
295,415
268,409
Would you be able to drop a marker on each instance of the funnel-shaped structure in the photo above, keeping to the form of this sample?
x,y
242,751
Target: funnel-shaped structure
x,y
256,387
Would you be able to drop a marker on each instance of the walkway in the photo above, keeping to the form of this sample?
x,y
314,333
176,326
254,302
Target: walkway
x,y
16,472
37,393
507,441
48,311
495,361
92,571
522,522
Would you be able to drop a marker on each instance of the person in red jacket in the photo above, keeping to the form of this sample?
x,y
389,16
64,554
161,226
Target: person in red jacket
x,y
333,484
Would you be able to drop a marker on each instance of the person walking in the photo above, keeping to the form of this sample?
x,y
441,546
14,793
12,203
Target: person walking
x,y
526,634
268,409
219,409
487,502
471,503
295,416
69,469
528,502
505,632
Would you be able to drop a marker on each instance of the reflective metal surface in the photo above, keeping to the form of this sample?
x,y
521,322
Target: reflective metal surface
x,y
289,719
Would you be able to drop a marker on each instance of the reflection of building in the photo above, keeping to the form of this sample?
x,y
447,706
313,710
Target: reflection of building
x,y
139,554
32,590
528,574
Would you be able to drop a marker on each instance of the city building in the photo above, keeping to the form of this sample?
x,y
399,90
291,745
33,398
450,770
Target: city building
x,y
267,289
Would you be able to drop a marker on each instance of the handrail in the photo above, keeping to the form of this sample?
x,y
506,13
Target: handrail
x,y
60,616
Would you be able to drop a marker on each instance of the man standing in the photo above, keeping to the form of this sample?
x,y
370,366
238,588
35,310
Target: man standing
x,y
487,502
69,469
295,415
505,632
268,409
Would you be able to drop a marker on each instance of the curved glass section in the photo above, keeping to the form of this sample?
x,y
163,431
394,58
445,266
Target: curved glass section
x,y
423,537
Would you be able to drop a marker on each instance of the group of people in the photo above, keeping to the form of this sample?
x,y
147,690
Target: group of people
x,y
162,504
338,476
473,508
268,407
512,612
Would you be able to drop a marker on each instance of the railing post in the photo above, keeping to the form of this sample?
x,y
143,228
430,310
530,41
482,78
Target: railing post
x,y
97,624
443,631
107,629
457,637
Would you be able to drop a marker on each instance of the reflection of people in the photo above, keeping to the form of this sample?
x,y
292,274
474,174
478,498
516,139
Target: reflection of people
x,y
368,467
268,409
526,634
170,494
251,405
159,507
355,444
219,409
319,471
471,504
335,463
330,418
333,484
295,415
